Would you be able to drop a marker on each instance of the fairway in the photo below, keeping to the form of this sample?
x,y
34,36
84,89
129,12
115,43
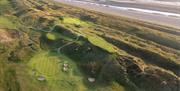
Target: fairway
x,y
56,36
70,20
100,42
94,39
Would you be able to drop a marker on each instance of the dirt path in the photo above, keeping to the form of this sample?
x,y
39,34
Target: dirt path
x,y
59,49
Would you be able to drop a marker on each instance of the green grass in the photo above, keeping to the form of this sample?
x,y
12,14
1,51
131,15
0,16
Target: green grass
x,y
75,21
94,39
70,20
47,66
6,19
116,86
50,65
3,2
52,36
100,42
55,36
4,6
5,22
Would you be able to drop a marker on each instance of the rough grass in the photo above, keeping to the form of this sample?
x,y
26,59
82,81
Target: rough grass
x,y
5,22
49,64
5,36
4,6
6,18
1,75
147,56
93,38
116,86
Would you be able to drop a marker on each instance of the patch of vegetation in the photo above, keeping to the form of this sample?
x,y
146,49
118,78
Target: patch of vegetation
x,y
44,64
4,6
75,21
52,36
50,65
56,36
5,22
58,47
10,79
94,39
146,55
100,42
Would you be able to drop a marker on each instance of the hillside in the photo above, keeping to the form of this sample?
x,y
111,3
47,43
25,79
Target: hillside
x,y
48,46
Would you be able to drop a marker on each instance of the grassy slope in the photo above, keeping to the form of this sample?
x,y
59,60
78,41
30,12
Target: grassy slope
x,y
85,31
155,39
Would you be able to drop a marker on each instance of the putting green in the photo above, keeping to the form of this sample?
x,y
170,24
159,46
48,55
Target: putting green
x,y
49,65
44,64
51,36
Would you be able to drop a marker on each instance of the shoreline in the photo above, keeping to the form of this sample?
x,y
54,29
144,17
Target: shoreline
x,y
172,3
154,18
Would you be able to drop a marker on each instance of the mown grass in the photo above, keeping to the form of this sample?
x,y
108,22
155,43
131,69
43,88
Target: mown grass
x,y
45,65
52,36
85,32
75,21
50,66
56,36
100,42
